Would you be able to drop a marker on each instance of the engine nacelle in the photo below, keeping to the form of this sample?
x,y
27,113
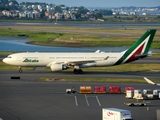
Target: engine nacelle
x,y
58,67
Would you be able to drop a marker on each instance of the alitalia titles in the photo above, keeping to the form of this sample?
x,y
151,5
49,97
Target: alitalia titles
x,y
30,60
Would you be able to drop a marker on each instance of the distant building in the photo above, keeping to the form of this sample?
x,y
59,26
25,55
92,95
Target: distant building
x,y
132,13
144,13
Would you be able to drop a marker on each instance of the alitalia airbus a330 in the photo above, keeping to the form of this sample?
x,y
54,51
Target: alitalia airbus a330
x,y
62,61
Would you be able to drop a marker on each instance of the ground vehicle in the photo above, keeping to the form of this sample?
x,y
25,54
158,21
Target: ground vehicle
x,y
138,94
85,89
114,89
129,93
128,88
148,93
99,89
116,114
139,102
156,94
71,90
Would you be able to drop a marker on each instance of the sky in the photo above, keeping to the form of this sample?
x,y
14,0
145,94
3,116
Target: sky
x,y
100,3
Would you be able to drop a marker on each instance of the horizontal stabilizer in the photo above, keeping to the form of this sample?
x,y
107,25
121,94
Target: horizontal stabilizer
x,y
141,55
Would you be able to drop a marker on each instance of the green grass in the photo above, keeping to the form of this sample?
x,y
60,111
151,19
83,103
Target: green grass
x,y
78,39
127,80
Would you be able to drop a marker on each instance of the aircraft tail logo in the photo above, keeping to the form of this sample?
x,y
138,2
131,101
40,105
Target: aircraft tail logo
x,y
139,49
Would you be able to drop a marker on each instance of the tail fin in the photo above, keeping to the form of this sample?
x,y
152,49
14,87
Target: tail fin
x,y
139,49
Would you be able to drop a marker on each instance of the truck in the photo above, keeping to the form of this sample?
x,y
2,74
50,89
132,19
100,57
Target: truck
x,y
116,114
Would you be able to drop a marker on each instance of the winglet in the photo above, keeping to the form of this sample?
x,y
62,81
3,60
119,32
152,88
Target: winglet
x,y
149,81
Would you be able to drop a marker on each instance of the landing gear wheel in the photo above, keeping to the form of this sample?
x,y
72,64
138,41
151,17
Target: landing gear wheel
x,y
78,71
75,71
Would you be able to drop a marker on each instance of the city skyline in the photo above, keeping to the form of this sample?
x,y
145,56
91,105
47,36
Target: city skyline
x,y
100,3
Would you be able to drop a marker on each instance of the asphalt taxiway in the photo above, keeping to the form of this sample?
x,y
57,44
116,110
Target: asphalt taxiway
x,y
28,98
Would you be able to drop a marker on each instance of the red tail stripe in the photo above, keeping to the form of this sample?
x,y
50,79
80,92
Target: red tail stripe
x,y
138,51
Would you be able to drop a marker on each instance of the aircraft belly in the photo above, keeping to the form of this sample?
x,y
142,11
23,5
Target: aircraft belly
x,y
105,63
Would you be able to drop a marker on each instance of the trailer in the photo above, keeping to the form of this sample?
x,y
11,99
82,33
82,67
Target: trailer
x,y
156,94
114,89
85,89
99,89
138,94
128,88
129,93
116,114
148,94
138,102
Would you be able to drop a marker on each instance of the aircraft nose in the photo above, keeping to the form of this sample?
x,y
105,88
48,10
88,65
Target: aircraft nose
x,y
4,60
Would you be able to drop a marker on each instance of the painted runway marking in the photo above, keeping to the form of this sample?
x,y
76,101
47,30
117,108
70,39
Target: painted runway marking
x,y
86,100
93,97
76,100
98,101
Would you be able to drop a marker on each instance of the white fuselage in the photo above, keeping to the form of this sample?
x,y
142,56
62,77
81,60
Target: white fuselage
x,y
37,59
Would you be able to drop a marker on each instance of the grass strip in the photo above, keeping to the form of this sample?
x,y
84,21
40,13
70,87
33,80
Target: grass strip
x,y
120,80
50,38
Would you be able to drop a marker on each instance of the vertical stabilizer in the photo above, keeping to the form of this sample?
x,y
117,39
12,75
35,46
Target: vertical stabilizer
x,y
139,49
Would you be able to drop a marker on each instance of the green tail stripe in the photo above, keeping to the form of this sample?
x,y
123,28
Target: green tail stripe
x,y
137,43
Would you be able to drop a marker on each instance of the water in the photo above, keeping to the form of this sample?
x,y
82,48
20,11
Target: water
x,y
80,24
14,44
19,44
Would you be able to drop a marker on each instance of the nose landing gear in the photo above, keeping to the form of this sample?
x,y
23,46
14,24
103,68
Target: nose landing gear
x,y
20,69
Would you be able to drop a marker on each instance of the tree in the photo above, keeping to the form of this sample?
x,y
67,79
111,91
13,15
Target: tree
x,y
82,10
58,9
98,15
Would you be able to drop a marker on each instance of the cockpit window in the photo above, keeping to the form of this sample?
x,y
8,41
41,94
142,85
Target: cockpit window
x,y
9,56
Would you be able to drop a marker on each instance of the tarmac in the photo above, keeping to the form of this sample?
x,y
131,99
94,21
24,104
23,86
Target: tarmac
x,y
28,98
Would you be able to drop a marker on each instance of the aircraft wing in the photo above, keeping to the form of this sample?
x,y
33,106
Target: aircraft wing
x,y
79,62
76,62
83,61
150,82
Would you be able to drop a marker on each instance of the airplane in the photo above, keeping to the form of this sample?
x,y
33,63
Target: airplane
x,y
58,61
151,82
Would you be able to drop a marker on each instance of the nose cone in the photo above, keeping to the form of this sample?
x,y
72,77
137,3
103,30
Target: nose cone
x,y
4,60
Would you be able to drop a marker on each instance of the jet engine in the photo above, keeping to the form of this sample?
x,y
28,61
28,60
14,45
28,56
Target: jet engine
x,y
58,67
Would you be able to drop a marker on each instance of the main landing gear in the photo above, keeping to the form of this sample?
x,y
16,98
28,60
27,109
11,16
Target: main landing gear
x,y
20,69
78,71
